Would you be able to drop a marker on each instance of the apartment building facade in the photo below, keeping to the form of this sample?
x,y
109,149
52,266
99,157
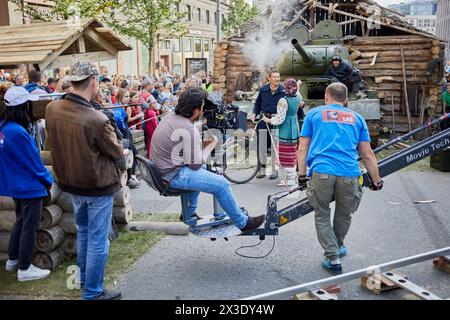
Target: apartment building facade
x,y
198,41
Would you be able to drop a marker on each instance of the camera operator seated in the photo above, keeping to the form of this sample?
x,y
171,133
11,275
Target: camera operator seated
x,y
176,151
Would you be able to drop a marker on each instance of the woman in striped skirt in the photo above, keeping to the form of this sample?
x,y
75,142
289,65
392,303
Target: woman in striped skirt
x,y
288,131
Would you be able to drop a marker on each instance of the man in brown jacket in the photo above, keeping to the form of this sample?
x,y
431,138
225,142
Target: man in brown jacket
x,y
84,148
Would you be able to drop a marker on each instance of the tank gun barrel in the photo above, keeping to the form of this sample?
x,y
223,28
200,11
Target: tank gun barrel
x,y
307,57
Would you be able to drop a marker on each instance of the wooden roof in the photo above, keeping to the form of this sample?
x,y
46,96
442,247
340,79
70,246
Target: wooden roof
x,y
42,44
351,15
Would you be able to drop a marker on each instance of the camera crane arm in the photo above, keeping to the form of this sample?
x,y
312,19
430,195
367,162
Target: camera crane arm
x,y
395,162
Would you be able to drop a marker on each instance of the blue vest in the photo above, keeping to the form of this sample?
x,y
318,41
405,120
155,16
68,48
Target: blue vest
x,y
289,131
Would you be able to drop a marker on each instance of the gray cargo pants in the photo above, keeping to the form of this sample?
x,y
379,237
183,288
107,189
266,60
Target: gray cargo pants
x,y
322,189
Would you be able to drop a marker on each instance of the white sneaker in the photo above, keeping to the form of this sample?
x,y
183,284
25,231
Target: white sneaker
x,y
32,273
11,265
136,180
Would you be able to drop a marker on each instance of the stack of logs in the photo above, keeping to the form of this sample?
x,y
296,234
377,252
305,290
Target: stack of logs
x,y
229,62
380,61
56,238
139,143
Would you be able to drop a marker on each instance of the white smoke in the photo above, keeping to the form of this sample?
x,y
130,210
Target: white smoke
x,y
266,45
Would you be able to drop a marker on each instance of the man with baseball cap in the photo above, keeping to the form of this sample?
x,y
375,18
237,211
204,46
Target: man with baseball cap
x,y
25,179
342,71
84,149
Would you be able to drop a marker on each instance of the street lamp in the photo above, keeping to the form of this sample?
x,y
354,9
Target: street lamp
x,y
218,21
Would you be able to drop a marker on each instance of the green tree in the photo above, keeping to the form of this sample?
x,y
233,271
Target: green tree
x,y
65,9
239,13
143,19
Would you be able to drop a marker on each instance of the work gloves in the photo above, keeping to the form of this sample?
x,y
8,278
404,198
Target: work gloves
x,y
302,181
376,186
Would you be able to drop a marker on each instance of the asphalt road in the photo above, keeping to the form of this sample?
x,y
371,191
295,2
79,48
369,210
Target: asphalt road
x,y
387,226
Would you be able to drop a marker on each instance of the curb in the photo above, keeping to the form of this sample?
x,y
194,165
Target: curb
x,y
170,228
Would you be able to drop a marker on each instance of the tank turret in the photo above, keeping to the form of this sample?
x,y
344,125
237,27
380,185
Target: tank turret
x,y
310,56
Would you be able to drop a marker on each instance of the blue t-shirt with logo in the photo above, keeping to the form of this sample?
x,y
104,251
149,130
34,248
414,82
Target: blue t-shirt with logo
x,y
335,133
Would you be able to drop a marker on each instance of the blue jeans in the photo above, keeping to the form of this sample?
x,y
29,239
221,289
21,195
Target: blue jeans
x,y
203,180
93,217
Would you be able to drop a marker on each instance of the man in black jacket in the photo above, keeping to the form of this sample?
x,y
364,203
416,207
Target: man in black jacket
x,y
266,104
343,72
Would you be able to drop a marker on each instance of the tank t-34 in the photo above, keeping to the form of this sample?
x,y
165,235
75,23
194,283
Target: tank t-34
x,y
310,57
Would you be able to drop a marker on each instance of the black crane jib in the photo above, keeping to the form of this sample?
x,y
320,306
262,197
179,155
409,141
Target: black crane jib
x,y
397,161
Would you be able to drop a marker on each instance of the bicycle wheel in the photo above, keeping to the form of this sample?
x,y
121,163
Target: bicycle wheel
x,y
241,162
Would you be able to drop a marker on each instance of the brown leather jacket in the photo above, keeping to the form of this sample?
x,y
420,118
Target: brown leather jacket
x,y
83,146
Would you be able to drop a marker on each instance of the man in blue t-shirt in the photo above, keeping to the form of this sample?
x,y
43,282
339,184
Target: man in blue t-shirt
x,y
330,140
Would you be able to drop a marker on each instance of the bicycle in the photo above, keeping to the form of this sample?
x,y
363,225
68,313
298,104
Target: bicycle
x,y
237,158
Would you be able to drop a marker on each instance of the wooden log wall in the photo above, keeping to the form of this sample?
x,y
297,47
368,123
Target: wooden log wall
x,y
56,238
220,59
229,62
380,62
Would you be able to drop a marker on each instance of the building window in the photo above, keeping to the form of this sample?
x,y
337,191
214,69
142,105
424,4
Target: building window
x,y
199,12
206,44
176,69
207,17
198,45
164,44
188,44
215,18
189,15
176,45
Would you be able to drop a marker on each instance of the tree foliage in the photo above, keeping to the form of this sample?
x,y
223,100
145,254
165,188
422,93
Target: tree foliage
x,y
143,19
240,12
66,9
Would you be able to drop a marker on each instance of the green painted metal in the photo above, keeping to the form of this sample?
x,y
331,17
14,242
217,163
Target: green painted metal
x,y
310,56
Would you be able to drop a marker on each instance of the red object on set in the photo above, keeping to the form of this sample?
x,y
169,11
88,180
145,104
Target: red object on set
x,y
135,110
150,127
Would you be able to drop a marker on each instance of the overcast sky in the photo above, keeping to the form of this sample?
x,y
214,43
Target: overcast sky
x,y
388,2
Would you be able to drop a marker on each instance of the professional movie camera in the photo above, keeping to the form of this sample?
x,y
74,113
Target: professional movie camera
x,y
221,116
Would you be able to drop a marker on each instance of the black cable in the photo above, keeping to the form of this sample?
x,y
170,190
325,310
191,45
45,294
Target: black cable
x,y
254,246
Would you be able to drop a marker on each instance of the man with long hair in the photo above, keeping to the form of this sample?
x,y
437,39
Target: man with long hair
x,y
179,156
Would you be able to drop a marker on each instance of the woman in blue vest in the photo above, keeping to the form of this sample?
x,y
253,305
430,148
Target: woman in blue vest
x,y
288,131
25,179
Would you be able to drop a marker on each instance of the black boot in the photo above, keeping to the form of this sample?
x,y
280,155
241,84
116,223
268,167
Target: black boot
x,y
253,223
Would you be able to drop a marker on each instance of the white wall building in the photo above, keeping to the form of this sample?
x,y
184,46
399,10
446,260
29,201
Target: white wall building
x,y
443,24
420,13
